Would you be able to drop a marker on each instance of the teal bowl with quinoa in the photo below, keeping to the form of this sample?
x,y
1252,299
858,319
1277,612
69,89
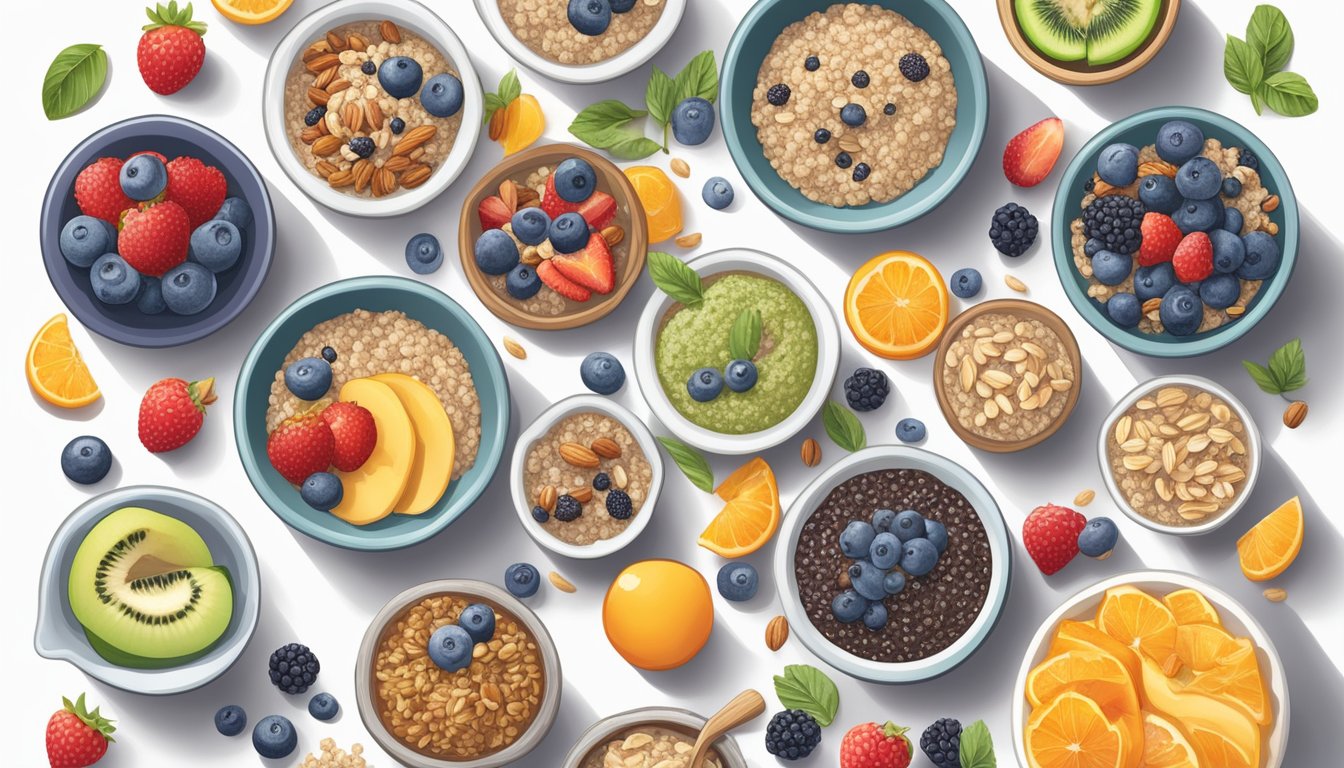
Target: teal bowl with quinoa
x,y
742,62
1140,130
422,303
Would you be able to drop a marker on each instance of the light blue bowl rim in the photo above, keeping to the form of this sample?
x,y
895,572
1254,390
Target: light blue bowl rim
x,y
464,495
1135,341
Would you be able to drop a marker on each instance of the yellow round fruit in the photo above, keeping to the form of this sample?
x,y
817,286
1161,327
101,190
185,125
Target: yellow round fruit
x,y
658,614
251,12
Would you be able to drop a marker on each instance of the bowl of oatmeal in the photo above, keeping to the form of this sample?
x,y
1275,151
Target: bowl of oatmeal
x,y
1214,305
540,35
649,736
585,477
487,714
377,326
838,134
372,108
1179,454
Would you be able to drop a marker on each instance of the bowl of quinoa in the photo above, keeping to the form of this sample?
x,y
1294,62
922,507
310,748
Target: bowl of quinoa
x,y
377,325
591,456
649,736
836,132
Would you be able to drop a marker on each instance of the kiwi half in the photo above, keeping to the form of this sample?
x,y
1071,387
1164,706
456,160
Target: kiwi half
x,y
1098,31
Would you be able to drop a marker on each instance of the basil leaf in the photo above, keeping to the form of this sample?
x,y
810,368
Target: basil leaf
x,y
628,145
1242,66
603,115
807,688
1289,94
509,87
843,427
1262,377
674,278
1271,37
660,97
691,463
1288,366
977,747
698,78
744,340
73,79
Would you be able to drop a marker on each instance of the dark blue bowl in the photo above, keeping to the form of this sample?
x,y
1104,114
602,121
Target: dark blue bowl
x,y
170,136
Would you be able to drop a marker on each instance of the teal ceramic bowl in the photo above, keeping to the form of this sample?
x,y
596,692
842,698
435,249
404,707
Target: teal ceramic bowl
x,y
422,303
742,61
1140,130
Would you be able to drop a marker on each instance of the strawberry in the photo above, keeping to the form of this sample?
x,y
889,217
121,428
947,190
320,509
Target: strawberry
x,y
1050,535
598,210
562,285
171,50
199,188
98,190
76,737
172,412
1160,238
355,434
1031,154
591,267
156,239
300,446
494,213
870,745
1193,259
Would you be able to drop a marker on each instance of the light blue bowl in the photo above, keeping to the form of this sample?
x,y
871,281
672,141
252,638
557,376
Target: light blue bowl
x,y
1140,130
60,636
742,61
376,294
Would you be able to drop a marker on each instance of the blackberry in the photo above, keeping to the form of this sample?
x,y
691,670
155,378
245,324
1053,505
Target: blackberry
x,y
812,64
540,514
1248,159
866,389
843,159
601,481
941,742
1114,220
890,109
860,79
618,505
778,94
822,136
792,734
861,171
362,146
1012,230
293,668
314,115
567,509
914,67
329,354
397,125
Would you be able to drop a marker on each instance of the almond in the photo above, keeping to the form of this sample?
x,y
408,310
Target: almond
x,y
341,179
1152,305
325,77
1295,414
397,164
508,192
325,169
315,50
327,145
688,241
415,176
384,182
414,139
310,134
606,448
582,495
336,42
579,455
561,583
811,452
1157,168
389,31
337,86
529,256
363,170
357,42
1276,595
546,499
618,477
373,114
352,116
496,125
613,234
512,346
1102,189
681,168
318,96
527,197
319,63
776,633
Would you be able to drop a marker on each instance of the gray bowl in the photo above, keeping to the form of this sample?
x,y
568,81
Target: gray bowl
x,y
667,717
171,136
60,636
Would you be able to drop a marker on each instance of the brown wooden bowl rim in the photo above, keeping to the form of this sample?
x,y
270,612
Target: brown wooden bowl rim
x,y
1093,75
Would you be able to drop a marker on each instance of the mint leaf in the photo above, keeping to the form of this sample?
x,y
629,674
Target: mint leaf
x,y
1288,366
690,462
1270,35
977,746
1289,94
744,339
674,278
1262,377
1242,65
843,427
807,688
509,87
660,97
699,78
627,144
603,115
73,79
604,126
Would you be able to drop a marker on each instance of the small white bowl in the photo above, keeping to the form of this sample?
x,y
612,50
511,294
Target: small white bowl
x,y
828,354
668,717
602,71
522,503
405,13
1235,619
1251,438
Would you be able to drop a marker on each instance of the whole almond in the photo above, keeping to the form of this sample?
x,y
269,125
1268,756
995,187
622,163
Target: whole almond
x,y
415,176
1084,498
357,42
811,452
776,633
325,78
561,583
352,115
315,50
527,197
606,448
310,134
579,455
496,125
1295,414
384,182
336,42
325,169
508,192
318,96
1152,305
688,241
389,31
1015,284
681,168
327,145
1157,168
341,179
397,164
413,139
1276,595
337,86
363,171
582,495
373,114
546,499
613,234
618,477
319,63
512,346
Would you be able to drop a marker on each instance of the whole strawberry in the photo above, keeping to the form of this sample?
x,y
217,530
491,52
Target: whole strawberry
x,y
172,412
98,190
1050,535
356,434
171,50
1160,238
199,188
77,737
876,746
156,239
1193,260
300,446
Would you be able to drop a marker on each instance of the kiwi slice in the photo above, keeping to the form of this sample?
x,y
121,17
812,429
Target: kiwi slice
x,y
1058,28
1098,31
1118,28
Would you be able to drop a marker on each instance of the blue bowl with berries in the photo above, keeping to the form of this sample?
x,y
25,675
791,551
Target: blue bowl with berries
x,y
854,187
1175,230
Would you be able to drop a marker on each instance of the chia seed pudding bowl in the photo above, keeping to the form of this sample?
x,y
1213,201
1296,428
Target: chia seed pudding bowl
x,y
937,620
655,721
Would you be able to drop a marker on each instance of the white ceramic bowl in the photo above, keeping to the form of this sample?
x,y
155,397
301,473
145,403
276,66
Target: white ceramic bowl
x,y
680,719
894,457
602,71
1235,619
828,354
523,504
405,13
1251,437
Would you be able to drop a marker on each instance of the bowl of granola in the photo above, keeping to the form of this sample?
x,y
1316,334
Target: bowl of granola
x,y
649,736
372,108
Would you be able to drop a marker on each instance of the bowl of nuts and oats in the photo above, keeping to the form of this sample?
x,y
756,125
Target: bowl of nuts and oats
x,y
1179,454
649,736
372,108
488,714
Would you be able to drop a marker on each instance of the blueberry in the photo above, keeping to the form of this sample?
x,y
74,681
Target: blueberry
x,y
1199,179
216,245
150,301
540,514
450,648
308,378
400,77
602,373
315,115
853,115
843,160
910,430
575,180
885,552
740,375
1124,309
143,177
866,579
568,233
848,607
590,17
812,63
1158,193
738,581
113,280
274,737
1231,186
479,621
322,491
778,95
329,354
622,6
861,171
601,481
496,253
531,225
522,579
368,67
857,539
936,533
397,125
704,385
1118,164
860,79
522,282
1262,256
889,109
966,283
236,211
86,460
188,288
893,583
323,706
1098,537
692,121
821,136
362,146
442,95
1181,311
1154,282
1220,291
230,720
1111,268
84,239
1093,246
909,525
1229,251
1198,216
717,193
1233,220
1178,141
875,618
424,255
921,555
883,519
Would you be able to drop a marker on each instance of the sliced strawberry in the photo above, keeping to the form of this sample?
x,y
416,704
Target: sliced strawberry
x,y
598,210
1031,154
493,212
590,267
561,284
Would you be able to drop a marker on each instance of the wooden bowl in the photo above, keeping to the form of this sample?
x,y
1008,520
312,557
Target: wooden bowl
x,y
1021,308
1080,72
629,216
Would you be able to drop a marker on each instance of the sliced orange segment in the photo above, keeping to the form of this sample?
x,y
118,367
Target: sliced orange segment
x,y
1202,647
1098,676
1189,606
1215,749
251,11
1273,544
55,369
1084,636
1165,746
1138,620
1071,731
751,516
658,195
896,305
523,123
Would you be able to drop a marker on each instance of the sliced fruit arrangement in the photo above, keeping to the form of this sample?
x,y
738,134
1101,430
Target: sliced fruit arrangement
x,y
1099,32
514,118
896,305
749,517
1274,543
56,371
76,737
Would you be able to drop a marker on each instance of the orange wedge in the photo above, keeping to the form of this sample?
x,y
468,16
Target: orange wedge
x,y
523,123
1189,606
896,305
1165,746
1203,647
1215,749
1098,676
251,11
1084,636
1138,620
1273,544
751,515
658,196
1072,732
56,371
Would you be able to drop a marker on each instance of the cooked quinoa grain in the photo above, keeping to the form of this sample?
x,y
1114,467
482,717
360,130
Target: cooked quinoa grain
x,y
332,756
543,26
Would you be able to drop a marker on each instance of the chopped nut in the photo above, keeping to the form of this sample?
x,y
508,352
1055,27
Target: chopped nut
x,y
561,583
688,241
1276,595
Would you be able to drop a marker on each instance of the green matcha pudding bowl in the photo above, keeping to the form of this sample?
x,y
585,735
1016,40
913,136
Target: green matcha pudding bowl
x,y
726,306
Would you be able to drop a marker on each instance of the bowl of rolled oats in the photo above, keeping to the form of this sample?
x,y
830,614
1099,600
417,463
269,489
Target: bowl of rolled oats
x,y
662,736
372,108
1179,454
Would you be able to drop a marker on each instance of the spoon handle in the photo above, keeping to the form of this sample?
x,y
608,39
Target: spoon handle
x,y
745,706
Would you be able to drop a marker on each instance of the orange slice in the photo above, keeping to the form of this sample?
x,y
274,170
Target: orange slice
x,y
1098,676
896,305
523,123
1203,647
251,11
1138,620
1189,606
1072,732
1215,749
1273,544
751,516
1079,635
658,195
56,371
1165,746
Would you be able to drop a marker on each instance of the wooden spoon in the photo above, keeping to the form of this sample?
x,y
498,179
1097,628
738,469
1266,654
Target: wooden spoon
x,y
745,706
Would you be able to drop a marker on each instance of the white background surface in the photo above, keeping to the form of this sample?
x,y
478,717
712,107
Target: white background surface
x,y
324,597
